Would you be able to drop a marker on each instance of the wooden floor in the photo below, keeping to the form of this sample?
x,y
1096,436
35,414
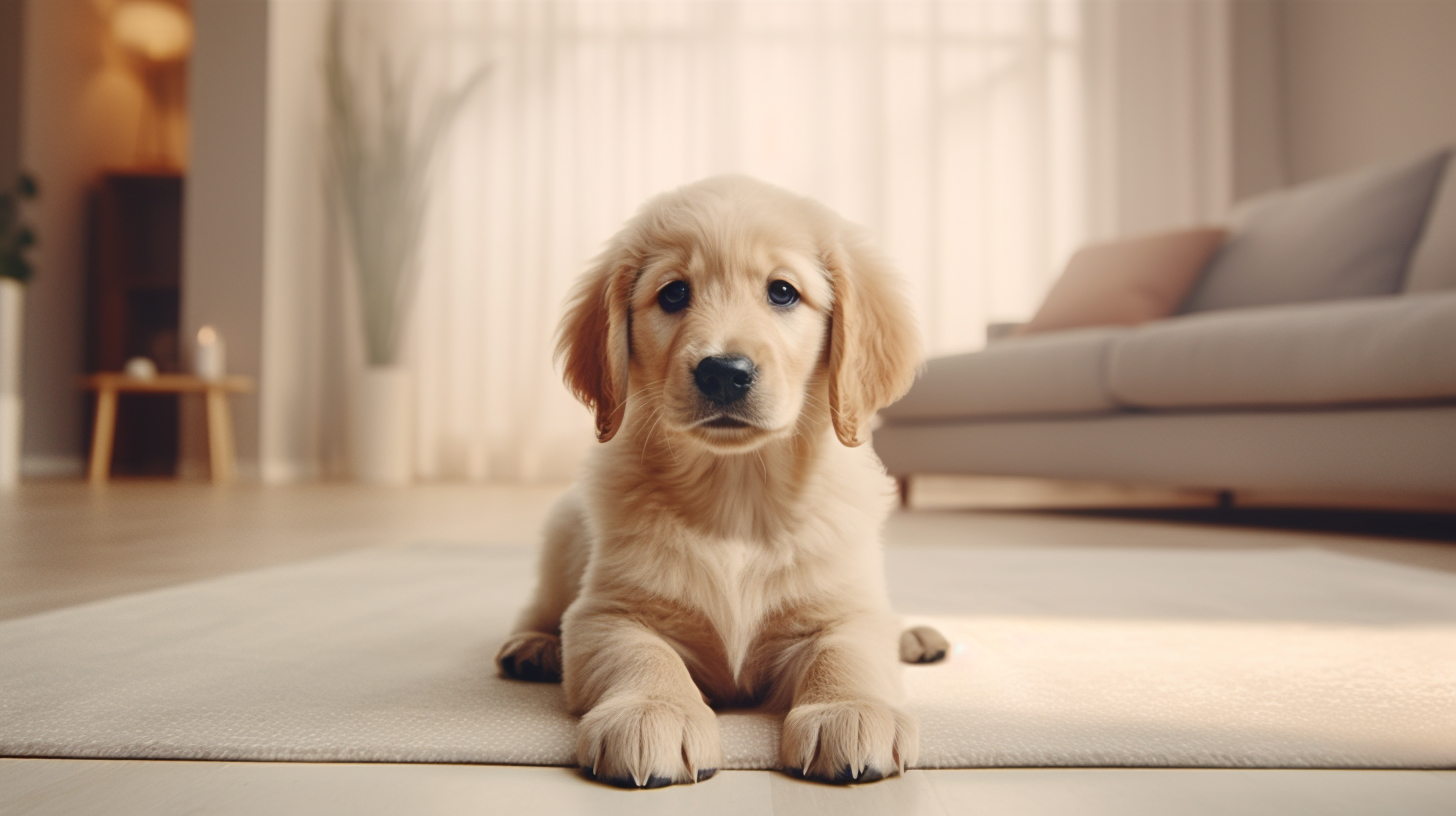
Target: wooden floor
x,y
63,544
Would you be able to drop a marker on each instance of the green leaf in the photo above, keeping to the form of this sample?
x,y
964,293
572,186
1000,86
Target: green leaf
x,y
26,186
15,267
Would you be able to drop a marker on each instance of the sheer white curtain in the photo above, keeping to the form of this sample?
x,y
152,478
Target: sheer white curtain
x,y
953,130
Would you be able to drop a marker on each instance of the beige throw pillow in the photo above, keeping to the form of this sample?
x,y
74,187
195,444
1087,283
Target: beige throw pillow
x,y
1127,282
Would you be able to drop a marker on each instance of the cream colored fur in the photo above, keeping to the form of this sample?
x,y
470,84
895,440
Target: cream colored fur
x,y
696,566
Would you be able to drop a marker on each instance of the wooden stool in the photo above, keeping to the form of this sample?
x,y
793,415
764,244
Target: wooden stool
x,y
219,421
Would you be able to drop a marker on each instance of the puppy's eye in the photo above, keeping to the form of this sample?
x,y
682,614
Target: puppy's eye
x,y
780,293
673,297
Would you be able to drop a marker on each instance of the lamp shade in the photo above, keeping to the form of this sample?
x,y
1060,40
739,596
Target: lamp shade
x,y
153,29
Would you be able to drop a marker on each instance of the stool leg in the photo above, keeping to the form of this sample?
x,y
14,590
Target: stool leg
x,y
102,435
219,436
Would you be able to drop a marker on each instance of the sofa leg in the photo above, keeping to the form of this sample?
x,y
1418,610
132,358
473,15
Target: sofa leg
x,y
903,484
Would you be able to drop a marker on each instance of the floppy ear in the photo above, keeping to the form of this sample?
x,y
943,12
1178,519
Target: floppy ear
x,y
874,348
593,340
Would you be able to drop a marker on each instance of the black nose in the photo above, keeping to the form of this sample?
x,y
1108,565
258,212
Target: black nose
x,y
724,379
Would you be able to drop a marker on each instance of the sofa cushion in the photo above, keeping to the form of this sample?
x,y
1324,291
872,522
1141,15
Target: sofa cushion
x,y
1349,236
1054,373
1372,349
1126,282
1433,264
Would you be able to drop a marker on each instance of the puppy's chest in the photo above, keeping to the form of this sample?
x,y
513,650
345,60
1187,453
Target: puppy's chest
x,y
734,586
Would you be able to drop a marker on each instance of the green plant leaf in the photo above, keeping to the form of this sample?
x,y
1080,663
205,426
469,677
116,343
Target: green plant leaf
x,y
14,267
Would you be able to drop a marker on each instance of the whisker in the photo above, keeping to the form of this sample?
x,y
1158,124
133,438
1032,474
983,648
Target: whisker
x,y
815,400
648,439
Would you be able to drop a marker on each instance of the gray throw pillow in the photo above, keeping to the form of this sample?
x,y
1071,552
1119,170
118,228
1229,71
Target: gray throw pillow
x,y
1433,262
1348,236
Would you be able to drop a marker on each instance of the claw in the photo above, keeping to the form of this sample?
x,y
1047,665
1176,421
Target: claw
x,y
850,775
630,782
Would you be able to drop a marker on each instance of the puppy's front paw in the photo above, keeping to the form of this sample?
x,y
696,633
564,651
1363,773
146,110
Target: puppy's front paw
x,y
649,743
848,742
534,656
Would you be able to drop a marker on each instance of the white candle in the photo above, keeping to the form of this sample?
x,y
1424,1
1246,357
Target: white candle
x,y
209,361
141,368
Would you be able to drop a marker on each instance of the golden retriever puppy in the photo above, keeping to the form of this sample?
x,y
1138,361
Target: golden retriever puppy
x,y
723,547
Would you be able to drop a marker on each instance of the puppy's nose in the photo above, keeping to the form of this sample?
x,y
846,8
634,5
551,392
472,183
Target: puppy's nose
x,y
724,379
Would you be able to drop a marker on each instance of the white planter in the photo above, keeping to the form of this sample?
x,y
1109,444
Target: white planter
x,y
384,425
12,311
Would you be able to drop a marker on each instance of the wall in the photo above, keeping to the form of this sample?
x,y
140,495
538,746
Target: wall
x,y
1366,81
1315,87
223,229
10,63
256,238
79,110
1256,65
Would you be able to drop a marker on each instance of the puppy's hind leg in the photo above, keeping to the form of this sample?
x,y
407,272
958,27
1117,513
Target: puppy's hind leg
x,y
531,656
533,651
922,644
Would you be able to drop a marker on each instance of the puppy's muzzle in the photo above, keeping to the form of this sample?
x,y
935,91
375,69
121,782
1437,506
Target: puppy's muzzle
x,y
724,380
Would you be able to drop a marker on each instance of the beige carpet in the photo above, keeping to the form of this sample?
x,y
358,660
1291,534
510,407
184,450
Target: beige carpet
x,y
1063,656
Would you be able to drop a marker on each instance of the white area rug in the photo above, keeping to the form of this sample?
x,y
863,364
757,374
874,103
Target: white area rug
x,y
1083,657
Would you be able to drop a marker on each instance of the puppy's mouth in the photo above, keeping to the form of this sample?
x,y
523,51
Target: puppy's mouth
x,y
726,422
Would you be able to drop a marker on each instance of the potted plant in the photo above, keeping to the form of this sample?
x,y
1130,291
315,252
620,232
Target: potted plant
x,y
16,239
383,133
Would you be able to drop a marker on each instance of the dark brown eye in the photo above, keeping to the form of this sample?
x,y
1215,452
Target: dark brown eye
x,y
780,293
673,297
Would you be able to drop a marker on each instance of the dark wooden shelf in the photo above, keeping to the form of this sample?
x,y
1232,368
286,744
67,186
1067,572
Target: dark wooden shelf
x,y
134,304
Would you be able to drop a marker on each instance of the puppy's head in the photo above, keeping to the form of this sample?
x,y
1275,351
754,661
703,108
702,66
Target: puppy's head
x,y
724,309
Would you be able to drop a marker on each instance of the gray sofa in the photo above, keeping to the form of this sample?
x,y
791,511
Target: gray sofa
x,y
1316,355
